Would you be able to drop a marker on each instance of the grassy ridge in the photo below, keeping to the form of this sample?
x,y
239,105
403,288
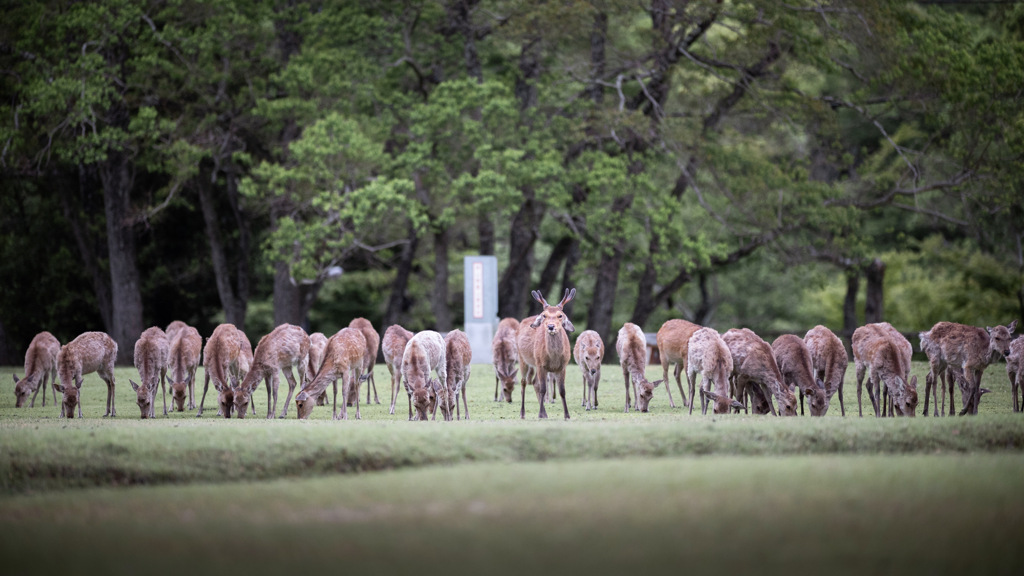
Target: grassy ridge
x,y
44,456
920,514
38,452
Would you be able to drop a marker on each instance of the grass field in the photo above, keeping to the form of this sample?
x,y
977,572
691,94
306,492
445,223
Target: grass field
x,y
603,492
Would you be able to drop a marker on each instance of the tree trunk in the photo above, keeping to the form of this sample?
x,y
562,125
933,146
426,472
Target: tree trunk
x,y
398,303
86,244
514,287
873,305
702,315
571,260
550,272
850,303
439,296
602,304
485,230
292,300
116,173
244,251
598,33
234,308
645,302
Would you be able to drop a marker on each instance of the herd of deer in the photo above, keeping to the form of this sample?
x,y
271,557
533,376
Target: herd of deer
x,y
738,370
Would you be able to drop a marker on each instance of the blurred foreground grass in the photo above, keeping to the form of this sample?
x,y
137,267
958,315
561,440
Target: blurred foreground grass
x,y
920,514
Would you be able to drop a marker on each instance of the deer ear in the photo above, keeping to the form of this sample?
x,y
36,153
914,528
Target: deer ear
x,y
819,383
1011,326
913,382
134,385
736,404
657,382
536,321
983,391
567,326
436,385
58,387
513,374
78,382
15,376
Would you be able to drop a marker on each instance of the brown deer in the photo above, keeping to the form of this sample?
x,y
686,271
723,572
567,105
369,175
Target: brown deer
x,y
876,347
631,346
226,360
458,356
186,346
673,345
285,348
173,328
393,347
756,372
589,353
549,351
505,355
317,344
794,361
964,351
829,361
90,352
425,352
40,368
1014,369
707,355
372,345
151,355
343,358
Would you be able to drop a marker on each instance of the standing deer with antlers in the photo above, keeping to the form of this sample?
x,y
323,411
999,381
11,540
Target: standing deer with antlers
x,y
549,352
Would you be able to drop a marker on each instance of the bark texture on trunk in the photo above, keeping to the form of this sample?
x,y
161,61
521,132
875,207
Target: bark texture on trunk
x,y
398,302
850,303
874,299
117,175
234,306
514,286
439,296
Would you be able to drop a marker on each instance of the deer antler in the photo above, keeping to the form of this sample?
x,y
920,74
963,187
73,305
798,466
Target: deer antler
x,y
569,295
539,298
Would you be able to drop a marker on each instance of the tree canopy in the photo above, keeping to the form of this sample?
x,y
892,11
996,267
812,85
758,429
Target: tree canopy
x,y
741,162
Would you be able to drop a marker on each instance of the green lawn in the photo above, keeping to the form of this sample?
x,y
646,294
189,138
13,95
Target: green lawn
x,y
606,491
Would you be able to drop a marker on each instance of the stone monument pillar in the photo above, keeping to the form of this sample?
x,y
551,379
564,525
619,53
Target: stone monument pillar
x,y
481,304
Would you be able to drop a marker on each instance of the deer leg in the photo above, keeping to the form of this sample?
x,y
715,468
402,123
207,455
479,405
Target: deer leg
x,y
801,401
334,412
625,376
206,386
395,384
163,388
928,385
561,390
860,383
291,388
355,377
678,372
192,389
465,380
593,391
522,408
272,384
497,382
541,387
1015,385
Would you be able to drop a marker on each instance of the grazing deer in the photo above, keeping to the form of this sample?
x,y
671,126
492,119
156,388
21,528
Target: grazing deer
x,y
186,346
343,358
631,346
393,347
1014,369
756,372
589,353
372,345
829,361
965,351
708,355
173,328
226,360
548,350
40,367
458,356
425,352
317,344
673,347
90,352
505,354
794,361
876,347
285,348
151,355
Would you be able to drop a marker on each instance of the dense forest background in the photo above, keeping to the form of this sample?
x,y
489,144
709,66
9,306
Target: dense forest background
x,y
769,164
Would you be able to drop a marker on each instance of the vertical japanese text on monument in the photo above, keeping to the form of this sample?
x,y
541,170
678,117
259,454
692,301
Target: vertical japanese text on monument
x,y
478,290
